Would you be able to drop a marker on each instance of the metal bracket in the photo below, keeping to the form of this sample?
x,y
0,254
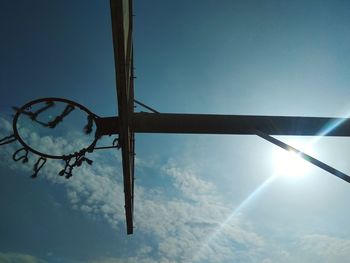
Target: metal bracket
x,y
304,156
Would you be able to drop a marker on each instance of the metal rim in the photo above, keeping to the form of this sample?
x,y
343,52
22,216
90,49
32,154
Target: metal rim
x,y
33,102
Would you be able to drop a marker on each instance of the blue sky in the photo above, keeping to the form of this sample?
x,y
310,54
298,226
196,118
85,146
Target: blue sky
x,y
198,198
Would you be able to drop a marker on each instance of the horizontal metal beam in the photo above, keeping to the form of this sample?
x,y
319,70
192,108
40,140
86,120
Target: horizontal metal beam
x,y
227,124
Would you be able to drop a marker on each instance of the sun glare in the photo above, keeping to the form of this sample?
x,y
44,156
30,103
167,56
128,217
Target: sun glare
x,y
291,164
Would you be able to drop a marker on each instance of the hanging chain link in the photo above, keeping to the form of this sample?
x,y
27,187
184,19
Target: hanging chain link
x,y
88,126
37,166
78,160
52,124
8,139
34,115
24,157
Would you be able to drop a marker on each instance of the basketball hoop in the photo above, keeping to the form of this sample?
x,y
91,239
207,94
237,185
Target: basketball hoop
x,y
34,110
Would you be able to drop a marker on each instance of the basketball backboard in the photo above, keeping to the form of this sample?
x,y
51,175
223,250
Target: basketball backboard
x,y
121,13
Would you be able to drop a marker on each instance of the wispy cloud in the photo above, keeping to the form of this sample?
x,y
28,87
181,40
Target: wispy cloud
x,y
181,224
328,248
178,225
19,258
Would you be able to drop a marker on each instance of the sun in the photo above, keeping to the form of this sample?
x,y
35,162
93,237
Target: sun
x,y
289,163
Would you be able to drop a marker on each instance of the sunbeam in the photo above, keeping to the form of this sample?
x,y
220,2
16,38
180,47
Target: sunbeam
x,y
330,127
206,243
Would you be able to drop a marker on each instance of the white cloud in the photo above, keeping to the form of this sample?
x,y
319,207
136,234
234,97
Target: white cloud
x,y
190,185
136,259
5,126
181,226
328,248
18,258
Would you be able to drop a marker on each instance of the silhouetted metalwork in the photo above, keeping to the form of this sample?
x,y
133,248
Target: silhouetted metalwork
x,y
129,122
78,160
38,165
305,156
70,106
122,28
225,124
263,126
72,160
52,124
88,126
24,157
145,106
33,115
8,139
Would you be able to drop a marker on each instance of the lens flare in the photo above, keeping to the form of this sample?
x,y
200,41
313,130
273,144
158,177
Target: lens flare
x,y
291,164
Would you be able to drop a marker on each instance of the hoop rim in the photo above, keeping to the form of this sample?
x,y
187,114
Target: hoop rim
x,y
52,99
